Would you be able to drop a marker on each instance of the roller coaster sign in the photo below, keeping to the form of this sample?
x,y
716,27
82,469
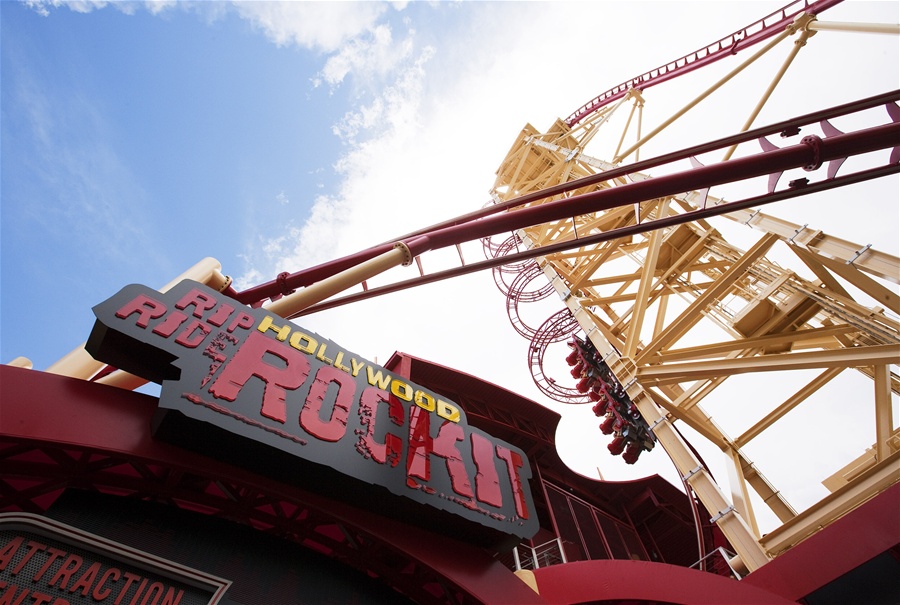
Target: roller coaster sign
x,y
43,561
243,385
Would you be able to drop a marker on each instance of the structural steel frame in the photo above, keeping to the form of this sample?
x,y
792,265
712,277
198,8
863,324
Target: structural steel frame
x,y
577,217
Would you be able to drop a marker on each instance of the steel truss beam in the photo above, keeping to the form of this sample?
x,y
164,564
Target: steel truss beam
x,y
779,322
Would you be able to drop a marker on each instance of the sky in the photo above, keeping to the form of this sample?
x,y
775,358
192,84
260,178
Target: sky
x,y
140,137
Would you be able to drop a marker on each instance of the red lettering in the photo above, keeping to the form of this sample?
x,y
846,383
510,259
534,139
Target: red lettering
x,y
249,361
9,551
513,464
194,334
221,314
156,588
487,481
390,451
418,461
69,566
7,597
33,547
172,597
129,580
170,324
40,598
422,446
197,299
146,308
100,592
444,445
140,589
243,320
54,554
310,416
86,579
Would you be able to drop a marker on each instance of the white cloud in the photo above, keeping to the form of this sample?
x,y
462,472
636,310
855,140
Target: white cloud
x,y
323,27
369,57
297,246
42,7
393,110
320,26
157,6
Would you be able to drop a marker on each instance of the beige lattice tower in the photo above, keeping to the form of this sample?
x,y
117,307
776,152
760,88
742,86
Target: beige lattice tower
x,y
677,311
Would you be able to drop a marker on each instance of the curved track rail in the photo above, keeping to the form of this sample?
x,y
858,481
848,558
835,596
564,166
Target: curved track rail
x,y
758,31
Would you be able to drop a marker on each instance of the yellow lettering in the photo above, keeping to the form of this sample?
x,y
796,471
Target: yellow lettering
x,y
311,343
357,366
337,362
377,379
321,354
402,390
425,401
445,410
266,324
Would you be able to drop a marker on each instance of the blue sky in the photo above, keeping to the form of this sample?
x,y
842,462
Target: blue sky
x,y
138,144
139,138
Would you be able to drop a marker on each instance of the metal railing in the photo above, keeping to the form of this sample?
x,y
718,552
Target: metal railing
x,y
528,557
718,561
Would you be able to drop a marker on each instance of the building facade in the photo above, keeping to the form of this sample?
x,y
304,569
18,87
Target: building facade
x,y
83,473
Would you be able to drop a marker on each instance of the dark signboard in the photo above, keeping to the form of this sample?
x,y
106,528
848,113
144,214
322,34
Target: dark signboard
x,y
46,562
245,385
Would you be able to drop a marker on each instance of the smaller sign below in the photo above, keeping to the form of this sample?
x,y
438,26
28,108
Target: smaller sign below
x,y
45,561
250,388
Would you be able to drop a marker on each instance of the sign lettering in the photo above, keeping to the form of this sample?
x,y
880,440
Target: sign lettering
x,y
44,562
267,381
